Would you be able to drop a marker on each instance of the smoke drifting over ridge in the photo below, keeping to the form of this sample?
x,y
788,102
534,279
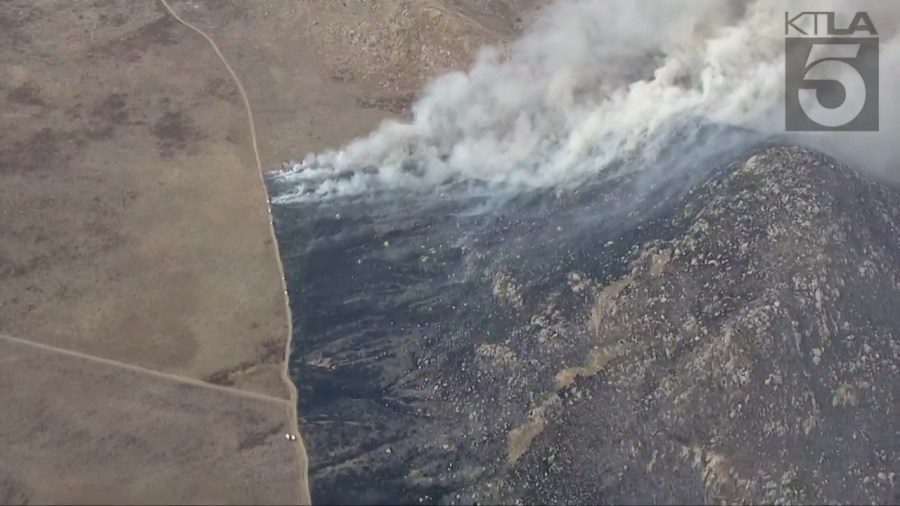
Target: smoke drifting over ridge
x,y
596,81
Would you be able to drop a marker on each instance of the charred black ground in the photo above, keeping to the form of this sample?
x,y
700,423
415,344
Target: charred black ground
x,y
730,337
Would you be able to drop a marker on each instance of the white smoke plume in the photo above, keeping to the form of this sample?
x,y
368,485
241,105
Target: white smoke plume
x,y
597,80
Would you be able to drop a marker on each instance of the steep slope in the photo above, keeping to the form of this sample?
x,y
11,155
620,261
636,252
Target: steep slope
x,y
753,357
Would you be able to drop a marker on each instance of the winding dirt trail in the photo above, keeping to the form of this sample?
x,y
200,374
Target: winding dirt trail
x,y
292,404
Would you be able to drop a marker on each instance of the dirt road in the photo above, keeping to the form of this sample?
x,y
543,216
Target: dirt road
x,y
133,227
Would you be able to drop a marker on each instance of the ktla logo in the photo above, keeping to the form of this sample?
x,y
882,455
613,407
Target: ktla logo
x,y
831,73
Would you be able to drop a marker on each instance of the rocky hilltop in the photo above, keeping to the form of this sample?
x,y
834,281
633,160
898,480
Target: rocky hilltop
x,y
735,343
752,358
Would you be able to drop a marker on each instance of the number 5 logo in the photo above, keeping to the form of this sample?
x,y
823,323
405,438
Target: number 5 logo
x,y
829,65
831,84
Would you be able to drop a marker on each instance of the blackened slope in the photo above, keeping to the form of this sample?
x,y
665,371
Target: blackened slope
x,y
756,356
552,350
427,327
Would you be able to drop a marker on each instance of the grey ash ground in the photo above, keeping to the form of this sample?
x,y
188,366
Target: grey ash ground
x,y
732,342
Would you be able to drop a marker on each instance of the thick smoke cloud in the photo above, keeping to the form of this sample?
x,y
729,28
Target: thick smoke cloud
x,y
596,81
